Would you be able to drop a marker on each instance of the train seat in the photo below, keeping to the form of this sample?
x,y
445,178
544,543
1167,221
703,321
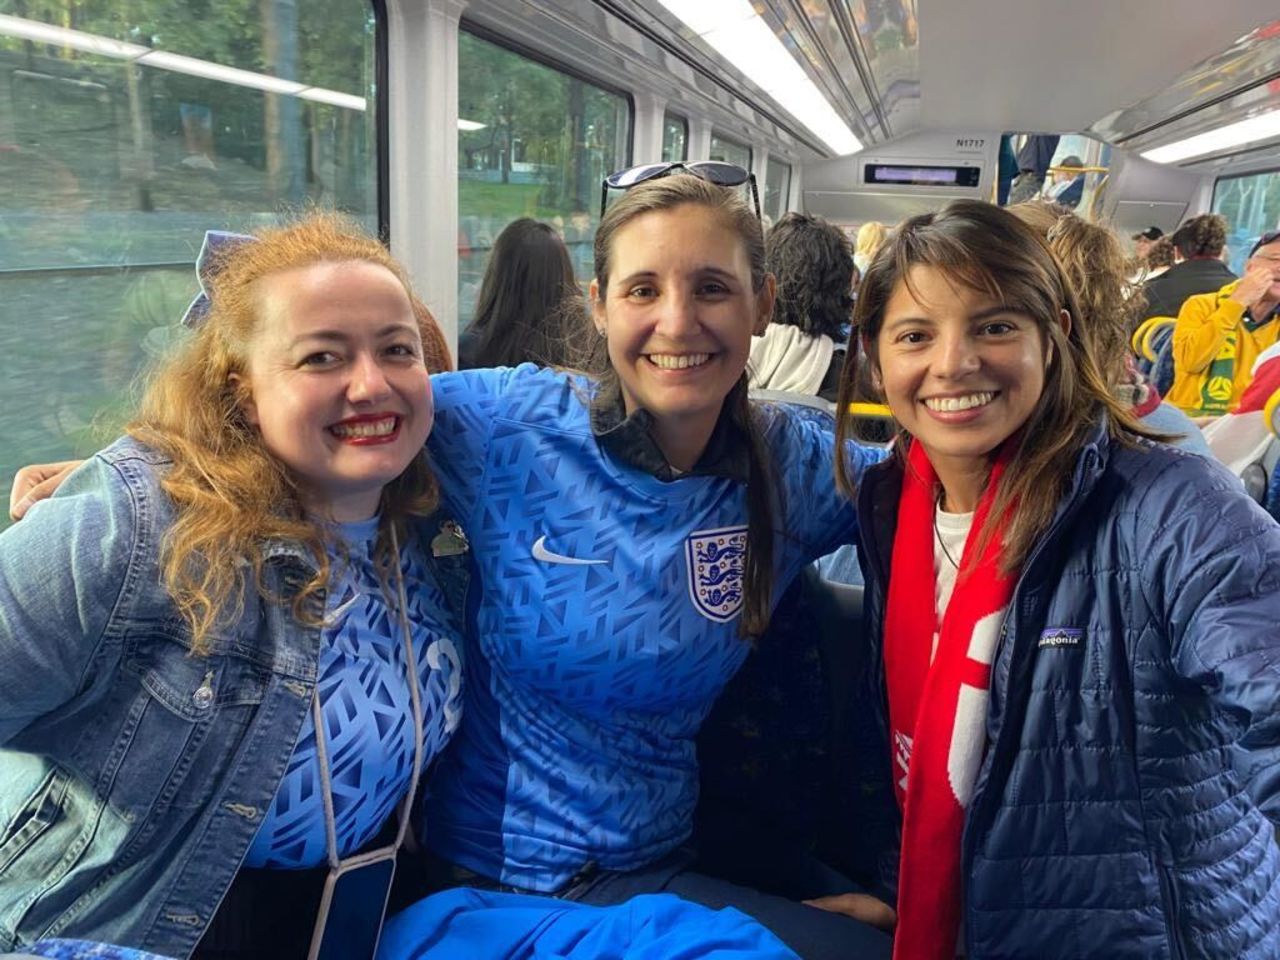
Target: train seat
x,y
795,782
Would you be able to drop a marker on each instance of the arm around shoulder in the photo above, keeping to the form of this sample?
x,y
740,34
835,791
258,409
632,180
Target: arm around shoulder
x,y
62,570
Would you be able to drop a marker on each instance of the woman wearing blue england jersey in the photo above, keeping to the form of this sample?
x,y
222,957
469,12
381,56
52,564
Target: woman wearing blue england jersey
x,y
632,531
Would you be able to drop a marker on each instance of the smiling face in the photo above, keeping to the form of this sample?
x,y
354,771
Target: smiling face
x,y
679,313
960,371
338,388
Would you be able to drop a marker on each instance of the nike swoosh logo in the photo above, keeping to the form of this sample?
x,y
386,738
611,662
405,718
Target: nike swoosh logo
x,y
540,552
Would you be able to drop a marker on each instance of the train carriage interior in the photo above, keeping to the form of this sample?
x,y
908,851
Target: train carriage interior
x,y
126,130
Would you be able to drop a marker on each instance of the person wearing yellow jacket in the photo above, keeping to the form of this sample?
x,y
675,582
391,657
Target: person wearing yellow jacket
x,y
1219,335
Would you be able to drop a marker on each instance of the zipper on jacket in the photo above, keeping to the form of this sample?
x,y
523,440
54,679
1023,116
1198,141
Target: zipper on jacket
x,y
968,837
1169,906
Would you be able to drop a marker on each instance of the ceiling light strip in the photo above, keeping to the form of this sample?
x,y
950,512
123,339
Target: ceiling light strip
x,y
1260,127
735,31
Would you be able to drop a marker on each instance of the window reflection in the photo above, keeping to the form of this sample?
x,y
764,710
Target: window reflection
x,y
532,142
128,132
675,137
1251,205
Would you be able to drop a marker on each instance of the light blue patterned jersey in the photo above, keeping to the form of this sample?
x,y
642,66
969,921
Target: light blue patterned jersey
x,y
365,702
606,626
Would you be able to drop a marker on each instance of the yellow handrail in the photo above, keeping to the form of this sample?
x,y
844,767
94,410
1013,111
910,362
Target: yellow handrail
x,y
877,410
1078,169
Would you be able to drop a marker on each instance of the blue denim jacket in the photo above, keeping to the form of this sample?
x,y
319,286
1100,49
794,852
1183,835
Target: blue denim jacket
x,y
134,775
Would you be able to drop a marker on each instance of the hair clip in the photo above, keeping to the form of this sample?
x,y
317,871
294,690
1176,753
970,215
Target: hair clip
x,y
217,244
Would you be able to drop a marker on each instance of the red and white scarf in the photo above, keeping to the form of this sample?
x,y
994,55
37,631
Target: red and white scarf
x,y
938,709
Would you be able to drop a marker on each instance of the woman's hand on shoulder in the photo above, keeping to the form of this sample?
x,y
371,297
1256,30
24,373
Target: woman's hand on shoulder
x,y
37,482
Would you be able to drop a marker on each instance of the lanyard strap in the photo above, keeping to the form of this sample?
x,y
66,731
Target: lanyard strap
x,y
322,752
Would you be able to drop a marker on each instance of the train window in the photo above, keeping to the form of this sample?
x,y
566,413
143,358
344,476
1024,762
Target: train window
x,y
777,187
125,132
730,151
675,137
1251,205
533,141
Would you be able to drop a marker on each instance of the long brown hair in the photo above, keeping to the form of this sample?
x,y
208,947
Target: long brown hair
x,y
529,306
668,193
987,249
232,496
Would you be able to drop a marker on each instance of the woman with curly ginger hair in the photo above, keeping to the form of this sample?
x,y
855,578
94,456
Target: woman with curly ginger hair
x,y
226,653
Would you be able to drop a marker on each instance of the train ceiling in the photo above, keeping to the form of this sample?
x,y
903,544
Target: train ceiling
x,y
1134,73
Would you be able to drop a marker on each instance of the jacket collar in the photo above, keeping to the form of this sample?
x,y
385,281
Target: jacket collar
x,y
627,438
881,485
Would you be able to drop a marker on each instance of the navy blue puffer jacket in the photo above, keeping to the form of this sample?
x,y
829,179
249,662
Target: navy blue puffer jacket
x,y
1125,804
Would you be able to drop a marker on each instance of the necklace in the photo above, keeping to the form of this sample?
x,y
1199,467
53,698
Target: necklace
x,y
937,532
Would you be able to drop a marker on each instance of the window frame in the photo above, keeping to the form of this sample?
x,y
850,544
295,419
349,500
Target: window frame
x,y
785,199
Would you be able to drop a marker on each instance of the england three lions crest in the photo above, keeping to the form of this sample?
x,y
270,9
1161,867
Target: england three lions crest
x,y
716,559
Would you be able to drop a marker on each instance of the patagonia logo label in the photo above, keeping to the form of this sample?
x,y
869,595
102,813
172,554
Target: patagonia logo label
x,y
1061,637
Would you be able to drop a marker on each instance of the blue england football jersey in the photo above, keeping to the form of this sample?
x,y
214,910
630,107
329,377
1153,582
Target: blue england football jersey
x,y
606,627
365,702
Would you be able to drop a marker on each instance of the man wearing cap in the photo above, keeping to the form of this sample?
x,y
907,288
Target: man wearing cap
x,y
1219,335
1144,240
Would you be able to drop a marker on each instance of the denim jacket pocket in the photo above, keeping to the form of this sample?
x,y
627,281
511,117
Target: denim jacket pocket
x,y
182,716
32,820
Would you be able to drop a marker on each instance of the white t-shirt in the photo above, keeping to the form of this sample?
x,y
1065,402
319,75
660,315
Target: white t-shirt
x,y
950,531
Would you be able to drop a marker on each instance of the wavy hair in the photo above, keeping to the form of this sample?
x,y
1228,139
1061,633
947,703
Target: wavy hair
x,y
985,248
871,237
1096,269
232,496
812,260
1202,236
667,193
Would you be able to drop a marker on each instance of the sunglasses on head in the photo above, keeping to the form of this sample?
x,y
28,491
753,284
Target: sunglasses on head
x,y
713,171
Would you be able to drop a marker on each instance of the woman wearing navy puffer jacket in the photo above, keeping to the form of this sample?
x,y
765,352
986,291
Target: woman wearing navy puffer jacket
x,y
1084,724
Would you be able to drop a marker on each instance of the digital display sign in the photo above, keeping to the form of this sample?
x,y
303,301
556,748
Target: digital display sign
x,y
921,175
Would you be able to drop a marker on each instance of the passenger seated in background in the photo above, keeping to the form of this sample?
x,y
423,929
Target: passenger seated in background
x,y
1084,711
1198,267
1220,334
801,350
1094,262
1068,184
1158,260
1143,241
529,308
871,237
1153,255
163,621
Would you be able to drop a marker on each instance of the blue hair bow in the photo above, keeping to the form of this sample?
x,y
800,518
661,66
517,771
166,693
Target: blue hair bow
x,y
217,244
